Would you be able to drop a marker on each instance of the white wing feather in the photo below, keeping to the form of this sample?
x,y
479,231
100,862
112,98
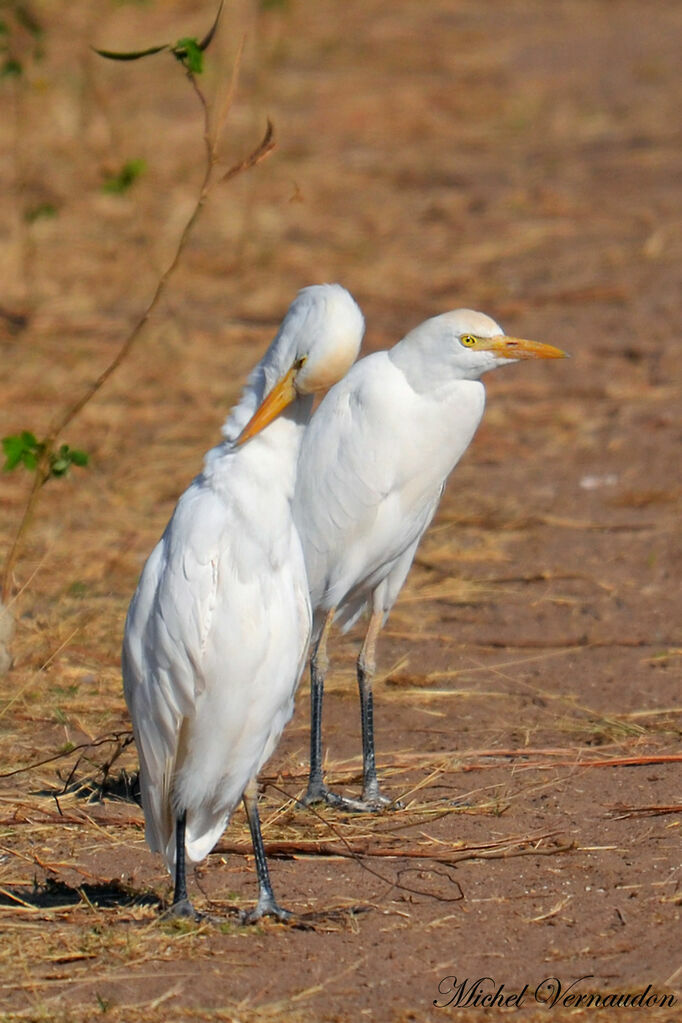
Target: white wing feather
x,y
371,471
213,649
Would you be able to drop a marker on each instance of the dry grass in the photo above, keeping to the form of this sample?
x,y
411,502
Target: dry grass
x,y
528,698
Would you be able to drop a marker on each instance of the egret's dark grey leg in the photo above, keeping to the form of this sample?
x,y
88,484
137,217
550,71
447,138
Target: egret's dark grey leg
x,y
266,906
319,664
372,796
317,790
372,799
181,906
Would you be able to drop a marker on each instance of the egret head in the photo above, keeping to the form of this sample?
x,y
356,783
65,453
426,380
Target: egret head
x,y
465,344
315,346
328,342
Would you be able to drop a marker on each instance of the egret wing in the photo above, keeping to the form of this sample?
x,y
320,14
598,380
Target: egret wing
x,y
164,644
364,491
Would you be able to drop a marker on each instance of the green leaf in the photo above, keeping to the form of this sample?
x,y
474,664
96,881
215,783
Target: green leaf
x,y
21,449
132,55
80,458
11,67
25,17
13,449
43,210
117,184
208,38
188,52
62,460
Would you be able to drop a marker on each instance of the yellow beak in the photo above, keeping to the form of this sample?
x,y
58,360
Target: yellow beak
x,y
282,394
519,348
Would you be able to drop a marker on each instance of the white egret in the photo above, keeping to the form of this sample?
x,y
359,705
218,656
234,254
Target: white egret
x,y
218,629
373,463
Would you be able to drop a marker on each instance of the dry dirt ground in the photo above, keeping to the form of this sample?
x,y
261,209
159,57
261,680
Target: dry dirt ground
x,y
518,156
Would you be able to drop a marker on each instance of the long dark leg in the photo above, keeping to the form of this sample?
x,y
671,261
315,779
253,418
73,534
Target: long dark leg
x,y
181,906
267,905
319,664
372,799
371,793
317,790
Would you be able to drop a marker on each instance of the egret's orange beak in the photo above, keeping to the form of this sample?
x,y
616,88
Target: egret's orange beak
x,y
519,348
282,394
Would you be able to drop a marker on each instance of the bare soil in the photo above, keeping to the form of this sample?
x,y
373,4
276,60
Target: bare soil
x,y
521,157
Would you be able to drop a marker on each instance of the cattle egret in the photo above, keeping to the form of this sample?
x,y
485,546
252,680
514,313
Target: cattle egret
x,y
372,467
218,629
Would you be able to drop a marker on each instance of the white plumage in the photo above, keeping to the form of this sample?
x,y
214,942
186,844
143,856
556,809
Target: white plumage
x,y
217,631
372,467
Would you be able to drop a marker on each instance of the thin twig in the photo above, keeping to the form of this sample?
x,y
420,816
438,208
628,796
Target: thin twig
x,y
265,147
123,738
42,472
316,847
621,812
349,851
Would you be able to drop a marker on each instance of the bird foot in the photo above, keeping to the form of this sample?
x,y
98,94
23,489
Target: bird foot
x,y
371,802
265,907
376,800
183,910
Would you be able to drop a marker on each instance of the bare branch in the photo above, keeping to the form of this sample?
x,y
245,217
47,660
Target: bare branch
x,y
263,150
226,105
208,38
42,472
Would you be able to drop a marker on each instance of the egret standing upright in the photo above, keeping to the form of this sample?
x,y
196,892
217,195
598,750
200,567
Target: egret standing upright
x,y
217,631
373,463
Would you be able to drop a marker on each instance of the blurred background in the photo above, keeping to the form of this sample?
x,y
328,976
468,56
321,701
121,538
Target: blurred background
x,y
514,156
520,158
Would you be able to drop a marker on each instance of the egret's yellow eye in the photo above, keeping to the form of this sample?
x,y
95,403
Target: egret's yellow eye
x,y
468,340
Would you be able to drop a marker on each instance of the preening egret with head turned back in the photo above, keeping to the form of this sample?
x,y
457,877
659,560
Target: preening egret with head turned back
x,y
372,467
217,631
